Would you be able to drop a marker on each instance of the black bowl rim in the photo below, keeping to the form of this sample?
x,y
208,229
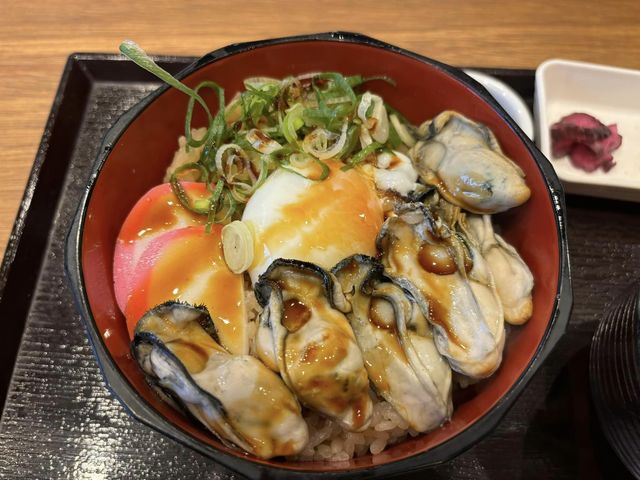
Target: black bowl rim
x,y
137,407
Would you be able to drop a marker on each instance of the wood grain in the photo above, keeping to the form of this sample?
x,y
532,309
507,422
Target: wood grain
x,y
36,37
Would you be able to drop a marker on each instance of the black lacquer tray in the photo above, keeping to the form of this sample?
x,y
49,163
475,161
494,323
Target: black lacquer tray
x,y
60,421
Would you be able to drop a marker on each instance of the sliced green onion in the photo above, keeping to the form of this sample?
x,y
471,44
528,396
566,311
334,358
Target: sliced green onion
x,y
217,125
224,168
263,94
237,246
353,134
402,131
366,102
362,155
260,82
256,102
179,190
365,136
395,112
340,82
213,205
325,171
261,142
321,115
264,171
394,140
293,122
281,156
133,51
316,143
356,80
291,167
207,155
202,204
231,209
326,113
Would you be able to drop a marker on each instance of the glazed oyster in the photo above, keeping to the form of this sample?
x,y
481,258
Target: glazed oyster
x,y
463,160
429,260
304,335
513,279
402,361
176,346
477,270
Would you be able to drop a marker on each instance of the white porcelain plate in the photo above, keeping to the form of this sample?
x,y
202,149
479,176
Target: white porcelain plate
x,y
610,94
507,98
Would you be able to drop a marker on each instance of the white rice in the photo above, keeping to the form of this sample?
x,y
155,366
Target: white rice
x,y
328,441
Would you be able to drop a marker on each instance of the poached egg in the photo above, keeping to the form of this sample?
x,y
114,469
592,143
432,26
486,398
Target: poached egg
x,y
321,222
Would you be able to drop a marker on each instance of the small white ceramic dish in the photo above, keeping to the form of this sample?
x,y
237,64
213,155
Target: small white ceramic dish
x,y
507,98
610,94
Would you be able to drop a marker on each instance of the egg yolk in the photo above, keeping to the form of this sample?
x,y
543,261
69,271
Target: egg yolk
x,y
331,220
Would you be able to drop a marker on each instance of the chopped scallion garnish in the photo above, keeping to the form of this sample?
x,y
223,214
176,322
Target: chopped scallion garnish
x,y
362,155
309,119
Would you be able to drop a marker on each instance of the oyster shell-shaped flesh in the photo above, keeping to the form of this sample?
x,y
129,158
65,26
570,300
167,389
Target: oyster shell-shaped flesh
x,y
304,335
402,361
464,161
483,286
426,258
477,270
235,396
513,279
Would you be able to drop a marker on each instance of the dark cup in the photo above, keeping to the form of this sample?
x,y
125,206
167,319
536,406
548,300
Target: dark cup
x,y
614,371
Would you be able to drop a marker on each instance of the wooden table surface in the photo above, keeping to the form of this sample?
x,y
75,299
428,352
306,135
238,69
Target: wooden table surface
x,y
36,38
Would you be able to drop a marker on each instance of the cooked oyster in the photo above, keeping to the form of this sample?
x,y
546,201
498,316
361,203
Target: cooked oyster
x,y
235,396
464,161
484,290
513,279
477,271
304,335
403,363
428,260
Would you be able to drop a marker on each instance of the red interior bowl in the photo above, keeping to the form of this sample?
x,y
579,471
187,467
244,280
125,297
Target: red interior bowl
x,y
137,150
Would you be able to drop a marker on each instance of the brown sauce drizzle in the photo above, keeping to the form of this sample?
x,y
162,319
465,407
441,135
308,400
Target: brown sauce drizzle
x,y
295,315
437,259
358,406
381,314
348,198
378,379
189,255
158,215
395,161
311,353
262,138
440,316
468,262
158,212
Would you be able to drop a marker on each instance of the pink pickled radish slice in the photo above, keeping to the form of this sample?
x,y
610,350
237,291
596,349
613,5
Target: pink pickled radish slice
x,y
156,213
188,265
